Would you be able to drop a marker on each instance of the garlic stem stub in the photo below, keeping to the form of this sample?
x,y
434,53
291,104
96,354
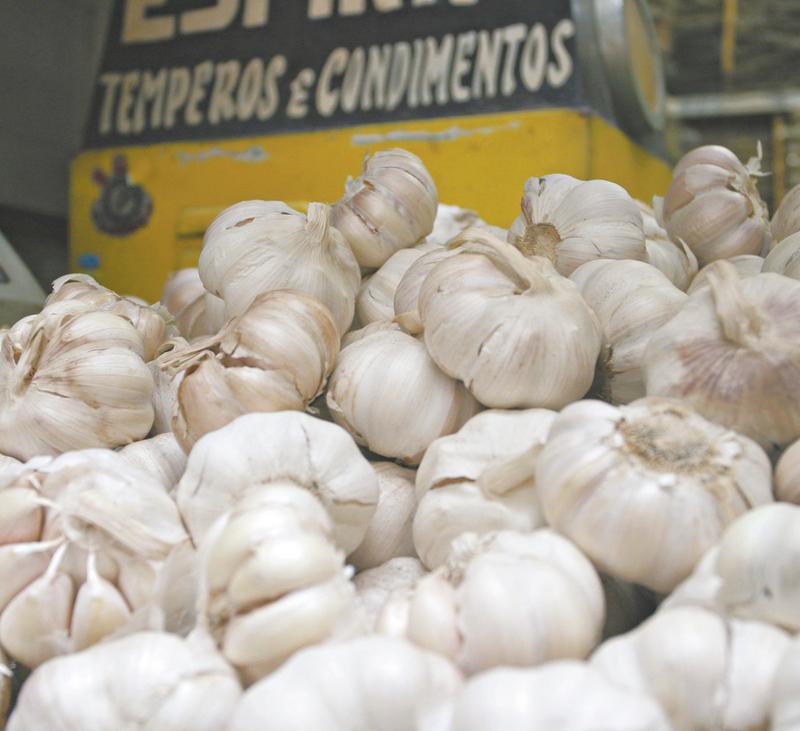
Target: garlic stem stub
x,y
391,206
732,353
511,328
714,206
571,221
246,254
645,489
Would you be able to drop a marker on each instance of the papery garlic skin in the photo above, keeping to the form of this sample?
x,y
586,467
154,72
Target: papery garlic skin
x,y
747,265
566,694
72,378
366,683
480,479
708,673
374,586
511,328
149,680
675,260
388,392
786,219
631,300
787,475
714,206
406,296
505,598
733,354
257,450
645,489
389,532
391,206
182,287
273,579
452,220
161,457
204,315
281,249
571,221
165,385
276,356
785,257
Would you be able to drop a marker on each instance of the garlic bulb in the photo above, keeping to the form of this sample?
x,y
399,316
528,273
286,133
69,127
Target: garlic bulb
x,y
375,300
479,480
165,385
150,322
511,328
645,489
273,579
366,683
713,205
733,354
275,356
182,287
747,265
631,299
204,315
240,212
389,394
785,257
786,219
452,220
675,261
161,457
708,673
389,531
391,206
560,695
571,221
505,598
785,697
72,378
406,296
149,680
375,586
257,451
80,536
787,475
280,249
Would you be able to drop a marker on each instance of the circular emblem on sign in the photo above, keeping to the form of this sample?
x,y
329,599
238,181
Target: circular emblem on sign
x,y
122,206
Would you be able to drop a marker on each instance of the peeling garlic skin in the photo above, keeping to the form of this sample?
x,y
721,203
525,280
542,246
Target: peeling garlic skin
x,y
645,489
714,206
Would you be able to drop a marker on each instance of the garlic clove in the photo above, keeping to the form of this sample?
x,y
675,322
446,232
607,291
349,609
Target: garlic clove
x,y
180,289
160,456
784,258
20,565
21,515
406,296
374,586
747,265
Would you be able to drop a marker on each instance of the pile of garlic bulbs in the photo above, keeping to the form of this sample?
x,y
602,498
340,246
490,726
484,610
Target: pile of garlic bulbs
x,y
384,465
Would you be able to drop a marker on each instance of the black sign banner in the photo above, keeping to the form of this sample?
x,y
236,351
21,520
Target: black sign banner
x,y
183,70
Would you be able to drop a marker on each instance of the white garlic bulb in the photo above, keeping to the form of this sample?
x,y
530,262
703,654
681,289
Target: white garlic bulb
x,y
406,296
374,586
675,260
391,206
257,451
275,356
713,205
645,489
391,396
165,385
571,221
786,219
273,579
747,265
566,694
733,354
479,480
787,475
204,315
708,673
785,696
280,249
452,220
631,299
72,378
182,287
161,457
785,257
81,538
505,598
389,532
511,328
149,680
150,322
366,683
375,300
